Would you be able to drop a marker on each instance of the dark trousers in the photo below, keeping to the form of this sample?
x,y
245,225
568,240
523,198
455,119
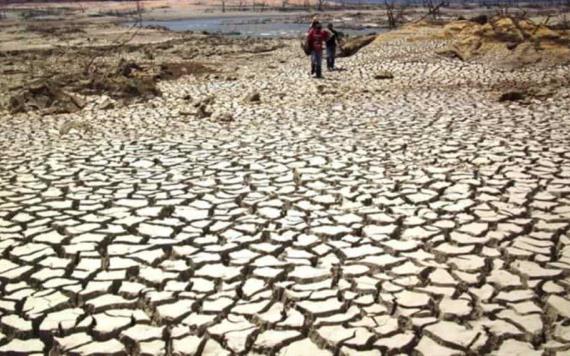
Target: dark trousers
x,y
331,52
316,63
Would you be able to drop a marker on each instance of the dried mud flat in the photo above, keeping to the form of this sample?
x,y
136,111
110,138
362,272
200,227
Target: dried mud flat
x,y
358,215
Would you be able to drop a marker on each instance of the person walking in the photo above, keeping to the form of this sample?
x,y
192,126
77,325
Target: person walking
x,y
314,22
315,39
331,43
308,49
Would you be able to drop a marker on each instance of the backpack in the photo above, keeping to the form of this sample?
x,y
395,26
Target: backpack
x,y
306,46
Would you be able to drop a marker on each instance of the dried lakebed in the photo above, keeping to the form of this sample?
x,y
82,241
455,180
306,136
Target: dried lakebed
x,y
350,216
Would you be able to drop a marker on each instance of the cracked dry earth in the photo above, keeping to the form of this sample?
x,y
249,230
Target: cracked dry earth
x,y
349,216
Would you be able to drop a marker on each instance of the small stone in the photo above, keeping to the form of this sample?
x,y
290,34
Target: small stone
x,y
383,75
253,97
222,116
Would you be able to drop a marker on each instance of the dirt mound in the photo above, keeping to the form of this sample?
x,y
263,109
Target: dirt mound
x,y
351,46
128,81
47,97
507,40
125,82
171,71
120,87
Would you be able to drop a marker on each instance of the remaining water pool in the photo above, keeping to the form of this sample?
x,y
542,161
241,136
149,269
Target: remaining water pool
x,y
249,26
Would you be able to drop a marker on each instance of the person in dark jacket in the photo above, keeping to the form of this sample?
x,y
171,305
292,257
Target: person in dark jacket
x,y
316,37
314,22
331,43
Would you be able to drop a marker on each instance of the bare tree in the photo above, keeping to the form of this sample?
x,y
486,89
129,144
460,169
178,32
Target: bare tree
x,y
81,7
2,14
434,8
223,5
395,12
504,8
139,11
321,4
401,13
259,5
390,14
122,39
564,22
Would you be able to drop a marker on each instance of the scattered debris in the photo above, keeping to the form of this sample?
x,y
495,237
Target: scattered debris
x,y
47,97
125,82
172,71
222,116
384,75
202,107
543,93
262,48
205,102
74,124
512,96
157,28
253,97
119,87
107,104
450,53
127,68
480,19
202,112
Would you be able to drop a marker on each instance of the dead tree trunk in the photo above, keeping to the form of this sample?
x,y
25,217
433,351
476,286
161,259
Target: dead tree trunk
x,y
390,14
433,9
394,13
140,11
121,40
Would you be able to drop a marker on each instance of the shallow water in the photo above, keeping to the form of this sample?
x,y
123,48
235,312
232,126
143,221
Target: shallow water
x,y
253,26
